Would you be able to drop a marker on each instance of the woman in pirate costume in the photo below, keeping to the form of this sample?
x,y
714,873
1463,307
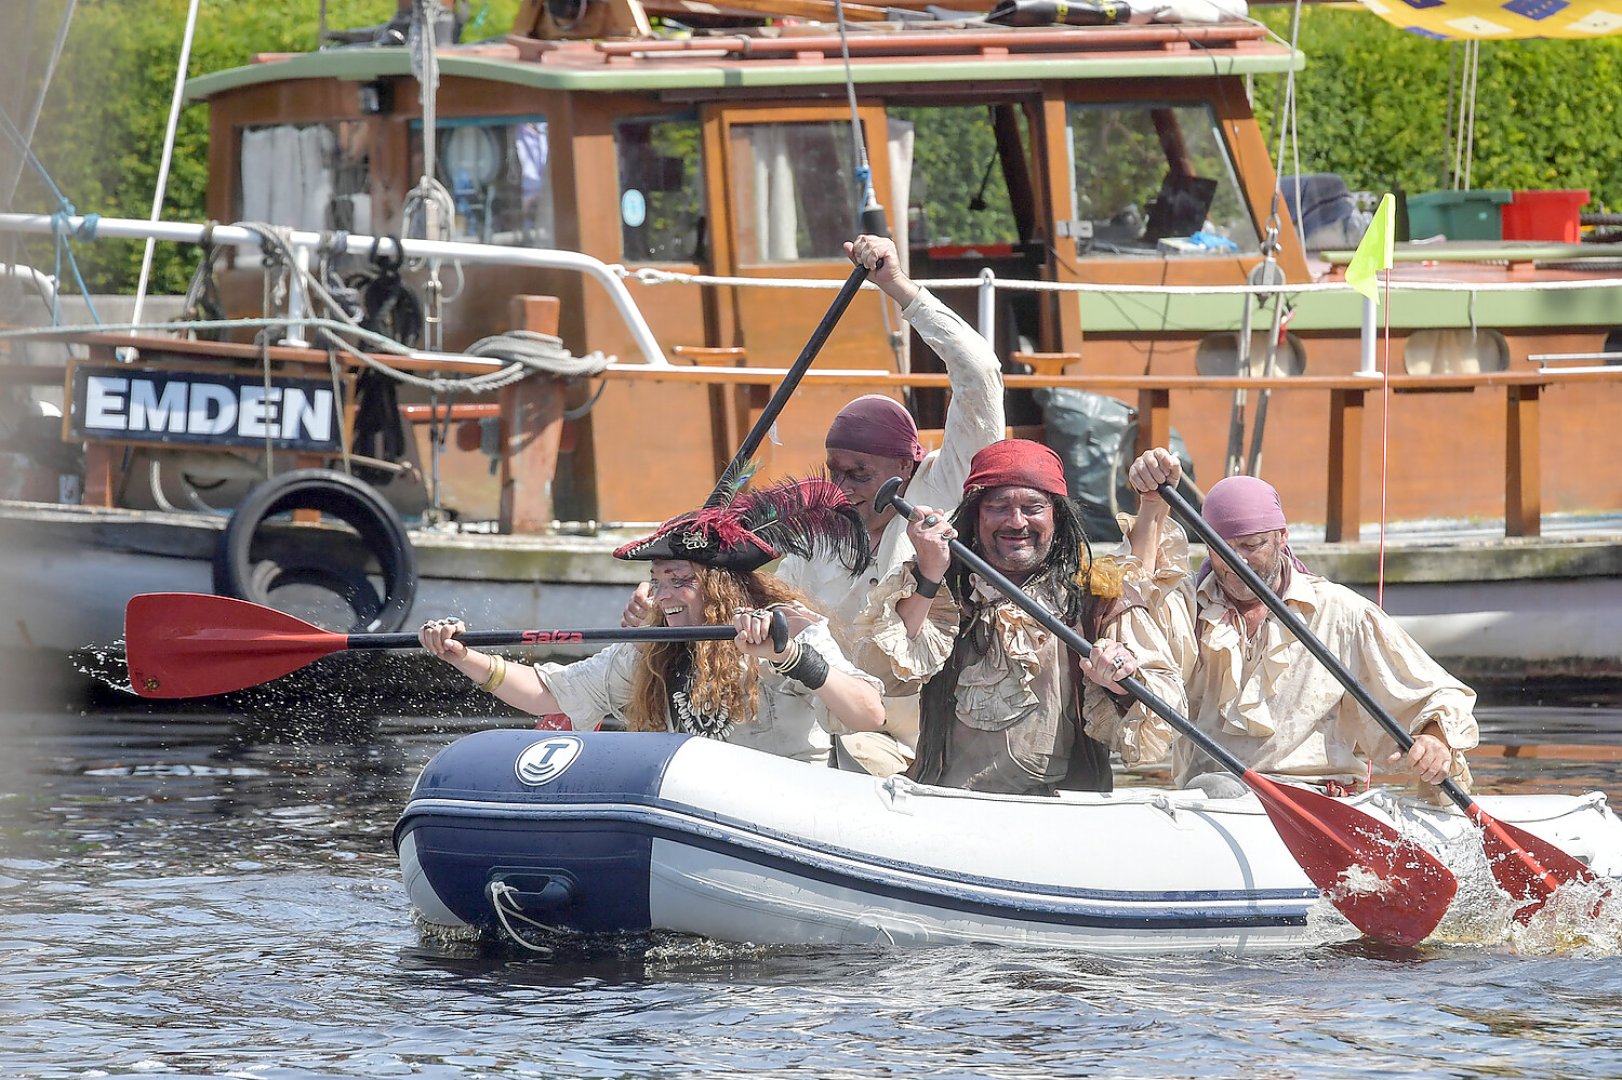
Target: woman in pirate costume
x,y
706,571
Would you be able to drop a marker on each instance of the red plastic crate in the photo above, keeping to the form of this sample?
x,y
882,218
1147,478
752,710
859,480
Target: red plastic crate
x,y
1544,215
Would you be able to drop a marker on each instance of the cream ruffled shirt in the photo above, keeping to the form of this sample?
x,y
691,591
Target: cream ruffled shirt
x,y
1268,701
1023,679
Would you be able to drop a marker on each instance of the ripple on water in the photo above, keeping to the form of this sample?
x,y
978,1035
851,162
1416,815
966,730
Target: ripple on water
x,y
204,898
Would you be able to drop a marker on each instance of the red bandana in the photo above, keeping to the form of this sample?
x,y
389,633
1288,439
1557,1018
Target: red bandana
x,y
1017,463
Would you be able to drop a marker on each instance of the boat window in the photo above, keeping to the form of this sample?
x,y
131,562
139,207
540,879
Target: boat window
x,y
498,174
1155,179
306,176
661,172
794,191
959,194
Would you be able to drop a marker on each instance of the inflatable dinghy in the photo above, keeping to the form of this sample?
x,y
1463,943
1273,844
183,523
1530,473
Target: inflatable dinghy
x,y
508,830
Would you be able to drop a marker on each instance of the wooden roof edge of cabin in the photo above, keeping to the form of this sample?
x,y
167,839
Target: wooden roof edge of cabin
x,y
623,26
911,40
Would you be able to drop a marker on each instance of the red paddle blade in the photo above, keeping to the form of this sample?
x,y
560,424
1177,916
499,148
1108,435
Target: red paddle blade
x,y
1527,867
181,645
1386,885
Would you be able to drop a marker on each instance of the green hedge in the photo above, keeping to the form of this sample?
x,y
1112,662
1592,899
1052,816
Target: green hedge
x,y
1373,108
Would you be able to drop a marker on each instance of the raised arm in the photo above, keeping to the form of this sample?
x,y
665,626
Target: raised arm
x,y
1151,469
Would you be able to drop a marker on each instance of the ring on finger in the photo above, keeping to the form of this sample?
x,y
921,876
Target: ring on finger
x,y
930,521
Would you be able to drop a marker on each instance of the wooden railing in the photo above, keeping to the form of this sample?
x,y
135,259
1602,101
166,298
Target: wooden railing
x,y
531,416
1523,503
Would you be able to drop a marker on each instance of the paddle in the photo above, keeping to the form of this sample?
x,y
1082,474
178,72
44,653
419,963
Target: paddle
x,y
785,389
182,645
1386,886
1526,867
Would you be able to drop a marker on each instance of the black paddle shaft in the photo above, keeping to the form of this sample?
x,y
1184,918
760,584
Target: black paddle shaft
x,y
1153,702
1219,547
488,638
790,383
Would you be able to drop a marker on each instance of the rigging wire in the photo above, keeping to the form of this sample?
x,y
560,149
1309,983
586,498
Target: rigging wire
x,y
38,107
871,213
63,232
162,188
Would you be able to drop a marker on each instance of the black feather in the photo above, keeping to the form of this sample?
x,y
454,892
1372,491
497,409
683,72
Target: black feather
x,y
807,518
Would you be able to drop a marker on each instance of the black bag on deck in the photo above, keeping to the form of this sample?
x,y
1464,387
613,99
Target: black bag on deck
x,y
1094,435
1055,12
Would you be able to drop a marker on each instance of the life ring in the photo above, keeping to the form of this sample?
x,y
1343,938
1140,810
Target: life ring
x,y
351,501
352,587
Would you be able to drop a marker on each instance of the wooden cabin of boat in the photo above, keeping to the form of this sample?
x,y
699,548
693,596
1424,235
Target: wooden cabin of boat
x,y
693,138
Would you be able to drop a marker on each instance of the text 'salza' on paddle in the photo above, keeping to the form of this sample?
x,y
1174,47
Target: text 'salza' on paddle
x,y
182,645
1386,885
1525,866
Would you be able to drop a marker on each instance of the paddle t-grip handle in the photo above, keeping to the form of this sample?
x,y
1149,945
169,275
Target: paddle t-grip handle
x,y
779,630
890,495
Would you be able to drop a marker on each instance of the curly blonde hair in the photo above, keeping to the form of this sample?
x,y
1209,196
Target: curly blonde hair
x,y
720,685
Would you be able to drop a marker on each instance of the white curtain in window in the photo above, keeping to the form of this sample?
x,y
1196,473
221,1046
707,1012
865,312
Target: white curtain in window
x,y
777,219
287,175
901,143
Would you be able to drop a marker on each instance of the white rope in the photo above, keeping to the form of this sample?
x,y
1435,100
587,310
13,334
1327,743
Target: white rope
x,y
500,897
162,190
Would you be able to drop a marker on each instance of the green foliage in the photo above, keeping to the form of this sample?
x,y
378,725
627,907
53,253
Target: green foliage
x,y
1374,107
101,133
951,149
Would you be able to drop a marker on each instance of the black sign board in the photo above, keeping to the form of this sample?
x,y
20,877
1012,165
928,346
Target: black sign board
x,y
129,403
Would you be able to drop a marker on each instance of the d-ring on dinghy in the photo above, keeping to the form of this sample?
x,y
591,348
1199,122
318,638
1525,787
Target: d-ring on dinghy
x,y
608,832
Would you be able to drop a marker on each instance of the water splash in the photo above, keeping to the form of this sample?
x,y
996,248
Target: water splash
x,y
1581,918
105,664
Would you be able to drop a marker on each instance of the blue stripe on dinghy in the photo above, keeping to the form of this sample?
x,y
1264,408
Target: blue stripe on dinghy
x,y
640,822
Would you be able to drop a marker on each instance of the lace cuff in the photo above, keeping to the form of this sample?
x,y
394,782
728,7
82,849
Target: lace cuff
x,y
1139,736
881,644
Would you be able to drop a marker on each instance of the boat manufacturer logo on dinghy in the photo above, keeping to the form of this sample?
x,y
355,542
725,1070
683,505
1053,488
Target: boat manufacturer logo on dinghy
x,y
545,761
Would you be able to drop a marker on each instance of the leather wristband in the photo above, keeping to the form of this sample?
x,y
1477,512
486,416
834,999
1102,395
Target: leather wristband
x,y
925,587
806,666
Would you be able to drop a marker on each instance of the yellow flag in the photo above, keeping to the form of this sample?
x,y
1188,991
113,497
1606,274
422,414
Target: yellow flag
x,y
1373,252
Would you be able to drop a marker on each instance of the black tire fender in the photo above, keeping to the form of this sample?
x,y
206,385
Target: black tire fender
x,y
352,501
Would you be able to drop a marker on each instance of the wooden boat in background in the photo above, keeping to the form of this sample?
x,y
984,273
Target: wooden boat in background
x,y
1128,197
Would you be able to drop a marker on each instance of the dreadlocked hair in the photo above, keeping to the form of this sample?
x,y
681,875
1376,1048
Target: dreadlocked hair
x,y
720,685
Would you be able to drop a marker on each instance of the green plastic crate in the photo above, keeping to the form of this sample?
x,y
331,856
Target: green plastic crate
x,y
1457,215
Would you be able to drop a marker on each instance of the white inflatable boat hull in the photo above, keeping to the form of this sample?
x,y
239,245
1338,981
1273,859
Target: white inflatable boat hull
x,y
605,832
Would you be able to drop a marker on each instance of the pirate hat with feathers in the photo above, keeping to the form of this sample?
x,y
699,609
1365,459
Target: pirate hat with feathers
x,y
750,529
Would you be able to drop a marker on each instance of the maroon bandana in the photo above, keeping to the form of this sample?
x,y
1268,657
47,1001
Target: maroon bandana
x,y
875,424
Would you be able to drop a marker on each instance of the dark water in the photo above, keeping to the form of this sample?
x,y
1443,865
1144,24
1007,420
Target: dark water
x,y
201,897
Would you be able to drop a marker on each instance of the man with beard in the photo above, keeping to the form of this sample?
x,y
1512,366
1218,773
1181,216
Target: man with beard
x,y
1255,690
1000,701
